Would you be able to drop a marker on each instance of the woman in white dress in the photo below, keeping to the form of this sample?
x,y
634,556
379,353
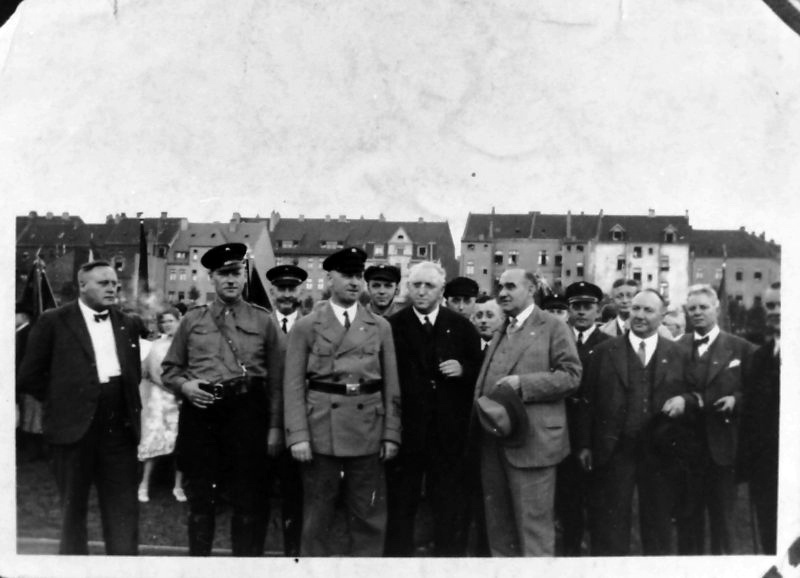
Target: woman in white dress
x,y
159,408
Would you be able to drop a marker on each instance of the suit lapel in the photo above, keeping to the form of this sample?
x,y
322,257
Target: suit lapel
x,y
327,326
720,354
487,359
662,361
521,338
73,319
362,326
619,359
121,338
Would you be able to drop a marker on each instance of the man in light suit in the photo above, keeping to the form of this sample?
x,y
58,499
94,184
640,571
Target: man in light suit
x,y
535,355
629,381
342,410
82,361
438,358
286,288
717,370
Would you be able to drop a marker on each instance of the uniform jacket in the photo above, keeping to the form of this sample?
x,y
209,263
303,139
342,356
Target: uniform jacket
x,y
198,351
730,358
543,354
59,369
449,398
577,403
605,385
395,307
320,349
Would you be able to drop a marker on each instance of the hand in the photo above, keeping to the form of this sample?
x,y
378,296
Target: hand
x,y
301,451
674,406
274,442
725,404
451,368
388,451
196,396
511,380
585,459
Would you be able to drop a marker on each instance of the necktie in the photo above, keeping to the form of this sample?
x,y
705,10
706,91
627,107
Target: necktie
x,y
98,317
512,325
580,338
642,353
283,325
346,321
427,326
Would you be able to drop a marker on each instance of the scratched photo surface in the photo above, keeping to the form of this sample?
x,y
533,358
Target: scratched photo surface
x,y
411,110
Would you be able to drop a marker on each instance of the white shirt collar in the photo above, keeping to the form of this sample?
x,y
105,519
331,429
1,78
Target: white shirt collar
x,y
712,335
586,332
524,314
431,316
650,344
338,310
289,318
88,312
622,325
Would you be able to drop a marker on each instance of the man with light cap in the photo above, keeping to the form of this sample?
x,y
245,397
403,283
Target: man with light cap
x,y
342,411
460,294
286,287
383,286
226,361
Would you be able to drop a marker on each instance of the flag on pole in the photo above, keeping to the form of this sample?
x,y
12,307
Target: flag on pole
x,y
143,286
38,295
256,293
723,320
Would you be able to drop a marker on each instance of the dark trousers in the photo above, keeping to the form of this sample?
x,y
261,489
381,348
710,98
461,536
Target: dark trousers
x,y
105,457
224,448
712,488
764,497
365,500
571,488
631,467
447,489
290,484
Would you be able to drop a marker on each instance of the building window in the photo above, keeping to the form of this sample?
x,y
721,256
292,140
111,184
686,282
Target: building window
x,y
378,250
320,283
181,255
569,248
182,274
171,296
392,250
162,252
579,270
181,295
664,290
700,274
309,284
470,247
718,274
470,270
669,237
649,250
740,275
401,250
542,257
620,263
330,244
287,244
194,255
579,248
637,275
513,257
617,235
194,274
757,275
498,257
172,275
119,263
637,252
558,261
568,273
422,251
663,263
649,277
739,298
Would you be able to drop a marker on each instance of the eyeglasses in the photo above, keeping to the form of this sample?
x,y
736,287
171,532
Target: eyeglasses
x,y
772,305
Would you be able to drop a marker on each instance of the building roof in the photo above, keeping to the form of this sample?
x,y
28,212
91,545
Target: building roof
x,y
310,234
645,228
160,231
533,225
738,243
212,234
36,230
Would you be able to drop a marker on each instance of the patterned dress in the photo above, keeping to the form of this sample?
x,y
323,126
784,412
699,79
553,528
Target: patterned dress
x,y
159,406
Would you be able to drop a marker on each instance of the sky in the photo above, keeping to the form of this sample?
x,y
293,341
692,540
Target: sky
x,y
420,108
201,108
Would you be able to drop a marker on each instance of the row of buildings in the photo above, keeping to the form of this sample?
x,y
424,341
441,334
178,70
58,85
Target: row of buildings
x,y
663,252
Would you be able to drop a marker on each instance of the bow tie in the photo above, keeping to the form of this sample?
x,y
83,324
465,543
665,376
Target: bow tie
x,y
98,317
701,341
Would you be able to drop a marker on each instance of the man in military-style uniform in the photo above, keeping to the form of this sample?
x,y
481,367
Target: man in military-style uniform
x,y
286,287
226,360
382,287
342,410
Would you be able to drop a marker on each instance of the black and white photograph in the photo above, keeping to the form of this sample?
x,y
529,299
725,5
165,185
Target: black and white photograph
x,y
401,287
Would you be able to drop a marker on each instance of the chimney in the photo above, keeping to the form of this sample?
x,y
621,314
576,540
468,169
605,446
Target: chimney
x,y
651,213
65,216
420,220
109,219
342,218
236,218
184,224
274,219
762,236
163,215
49,215
381,217
327,218
687,215
301,218
32,215
569,224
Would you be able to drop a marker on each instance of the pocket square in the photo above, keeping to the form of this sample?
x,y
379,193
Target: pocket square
x,y
734,363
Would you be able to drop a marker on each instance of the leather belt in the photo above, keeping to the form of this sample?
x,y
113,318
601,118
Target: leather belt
x,y
372,386
233,387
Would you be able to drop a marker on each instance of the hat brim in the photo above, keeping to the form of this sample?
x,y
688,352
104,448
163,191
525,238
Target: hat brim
x,y
517,416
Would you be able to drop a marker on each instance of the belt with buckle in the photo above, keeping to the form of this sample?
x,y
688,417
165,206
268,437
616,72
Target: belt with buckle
x,y
231,387
365,387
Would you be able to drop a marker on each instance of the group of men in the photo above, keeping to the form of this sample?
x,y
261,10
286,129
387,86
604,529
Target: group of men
x,y
503,416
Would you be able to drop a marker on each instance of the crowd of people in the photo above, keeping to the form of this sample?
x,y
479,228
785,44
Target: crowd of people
x,y
525,422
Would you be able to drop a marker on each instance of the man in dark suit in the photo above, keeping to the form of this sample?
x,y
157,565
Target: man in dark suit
x,y
760,423
717,372
488,318
460,294
82,360
342,411
286,288
438,357
628,381
535,355
572,482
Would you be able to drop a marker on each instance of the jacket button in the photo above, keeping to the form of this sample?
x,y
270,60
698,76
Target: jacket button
x,y
334,405
360,406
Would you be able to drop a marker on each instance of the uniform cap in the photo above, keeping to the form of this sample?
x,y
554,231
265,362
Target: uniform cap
x,y
349,260
384,272
224,257
554,301
461,287
291,275
583,291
